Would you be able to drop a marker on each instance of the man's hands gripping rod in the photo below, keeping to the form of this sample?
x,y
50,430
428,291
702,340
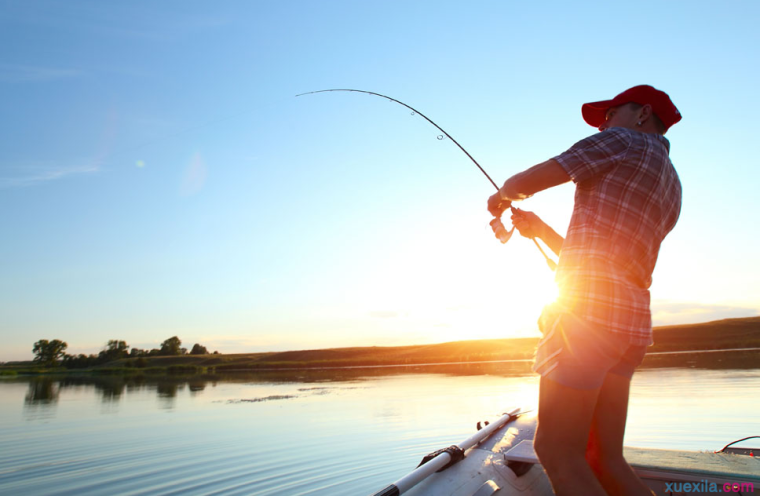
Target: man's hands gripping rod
x,y
528,224
520,187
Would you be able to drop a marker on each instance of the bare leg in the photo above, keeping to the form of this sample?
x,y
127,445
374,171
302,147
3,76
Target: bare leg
x,y
564,423
605,443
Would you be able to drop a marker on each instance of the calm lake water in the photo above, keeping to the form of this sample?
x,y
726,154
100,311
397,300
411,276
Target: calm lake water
x,y
340,432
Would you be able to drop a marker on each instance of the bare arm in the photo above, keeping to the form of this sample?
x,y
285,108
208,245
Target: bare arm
x,y
529,182
553,240
530,225
526,184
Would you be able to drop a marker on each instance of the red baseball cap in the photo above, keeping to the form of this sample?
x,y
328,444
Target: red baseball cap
x,y
595,113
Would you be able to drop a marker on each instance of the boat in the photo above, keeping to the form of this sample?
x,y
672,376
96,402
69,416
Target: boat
x,y
499,460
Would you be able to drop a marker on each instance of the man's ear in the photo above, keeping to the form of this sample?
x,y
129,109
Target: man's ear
x,y
645,112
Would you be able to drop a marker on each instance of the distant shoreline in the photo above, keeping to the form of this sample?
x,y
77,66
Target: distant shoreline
x,y
674,345
686,353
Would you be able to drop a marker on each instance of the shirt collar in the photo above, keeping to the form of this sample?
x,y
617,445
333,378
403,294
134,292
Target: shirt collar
x,y
662,139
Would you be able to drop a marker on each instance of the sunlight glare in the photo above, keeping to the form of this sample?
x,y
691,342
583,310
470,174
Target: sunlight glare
x,y
456,291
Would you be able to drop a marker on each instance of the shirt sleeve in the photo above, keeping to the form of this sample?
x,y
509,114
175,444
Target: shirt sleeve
x,y
596,154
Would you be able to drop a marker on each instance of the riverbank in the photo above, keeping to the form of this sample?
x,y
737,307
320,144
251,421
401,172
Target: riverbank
x,y
729,334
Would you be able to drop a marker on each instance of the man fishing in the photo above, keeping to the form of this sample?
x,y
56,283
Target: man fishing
x,y
627,199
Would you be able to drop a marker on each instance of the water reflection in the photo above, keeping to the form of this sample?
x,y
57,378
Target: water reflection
x,y
44,392
110,391
196,385
168,390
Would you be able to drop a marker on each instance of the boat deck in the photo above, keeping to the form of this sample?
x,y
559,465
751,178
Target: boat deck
x,y
685,466
671,465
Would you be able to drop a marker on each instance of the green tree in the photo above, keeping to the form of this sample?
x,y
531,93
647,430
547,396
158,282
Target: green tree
x,y
49,352
172,346
115,349
198,350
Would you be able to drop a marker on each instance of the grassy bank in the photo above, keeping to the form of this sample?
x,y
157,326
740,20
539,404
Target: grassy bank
x,y
717,335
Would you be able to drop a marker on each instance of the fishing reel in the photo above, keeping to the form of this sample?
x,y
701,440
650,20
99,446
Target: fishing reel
x,y
503,235
500,231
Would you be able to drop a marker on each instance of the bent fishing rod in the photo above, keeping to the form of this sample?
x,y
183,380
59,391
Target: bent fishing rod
x,y
496,224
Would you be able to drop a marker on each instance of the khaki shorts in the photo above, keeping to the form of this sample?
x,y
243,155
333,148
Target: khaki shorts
x,y
580,356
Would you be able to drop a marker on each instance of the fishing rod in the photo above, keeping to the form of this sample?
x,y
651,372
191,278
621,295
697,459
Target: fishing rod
x,y
496,224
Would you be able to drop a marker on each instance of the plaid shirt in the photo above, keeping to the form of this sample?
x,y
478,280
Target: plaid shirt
x,y
627,199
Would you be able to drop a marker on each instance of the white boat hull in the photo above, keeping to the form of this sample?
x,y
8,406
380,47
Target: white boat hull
x,y
505,465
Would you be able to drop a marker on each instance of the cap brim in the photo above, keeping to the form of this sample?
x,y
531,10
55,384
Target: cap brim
x,y
595,113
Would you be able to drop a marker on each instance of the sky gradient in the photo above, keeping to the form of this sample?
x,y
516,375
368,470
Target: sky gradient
x,y
158,176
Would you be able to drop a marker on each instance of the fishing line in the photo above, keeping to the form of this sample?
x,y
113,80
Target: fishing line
x,y
552,265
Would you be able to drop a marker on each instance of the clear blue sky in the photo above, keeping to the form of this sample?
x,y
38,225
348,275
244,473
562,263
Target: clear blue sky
x,y
158,177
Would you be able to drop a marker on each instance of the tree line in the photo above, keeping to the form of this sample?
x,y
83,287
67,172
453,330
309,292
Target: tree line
x,y
52,353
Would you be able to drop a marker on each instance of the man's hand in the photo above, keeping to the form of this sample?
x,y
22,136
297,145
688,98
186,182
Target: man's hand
x,y
500,231
497,206
528,224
